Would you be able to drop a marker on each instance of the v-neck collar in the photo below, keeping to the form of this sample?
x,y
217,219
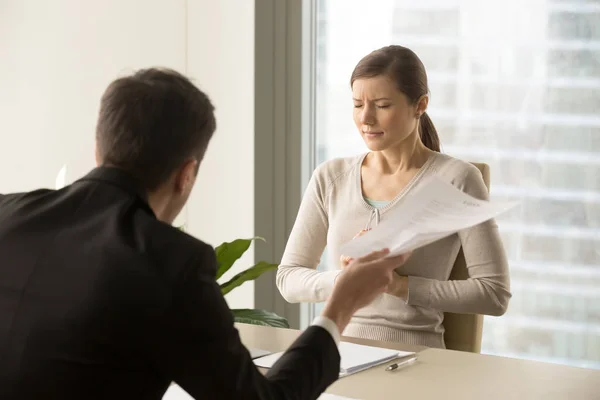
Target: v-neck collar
x,y
413,181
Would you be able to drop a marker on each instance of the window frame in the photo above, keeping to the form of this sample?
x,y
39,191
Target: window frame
x,y
285,146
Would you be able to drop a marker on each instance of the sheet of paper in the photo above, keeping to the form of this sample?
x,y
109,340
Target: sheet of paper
x,y
327,396
255,353
175,392
358,357
268,361
435,210
354,357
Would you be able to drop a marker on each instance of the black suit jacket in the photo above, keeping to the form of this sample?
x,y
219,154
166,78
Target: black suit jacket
x,y
100,300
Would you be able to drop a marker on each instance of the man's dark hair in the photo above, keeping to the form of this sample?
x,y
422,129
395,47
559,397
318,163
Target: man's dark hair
x,y
151,122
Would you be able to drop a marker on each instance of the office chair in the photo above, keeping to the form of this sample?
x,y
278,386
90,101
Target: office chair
x,y
463,331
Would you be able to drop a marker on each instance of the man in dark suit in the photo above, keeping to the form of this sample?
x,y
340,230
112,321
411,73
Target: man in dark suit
x,y
101,298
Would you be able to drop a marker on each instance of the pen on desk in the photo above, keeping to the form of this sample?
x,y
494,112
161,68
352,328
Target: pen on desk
x,y
402,362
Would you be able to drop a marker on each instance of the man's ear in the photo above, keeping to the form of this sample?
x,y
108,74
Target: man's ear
x,y
97,155
186,177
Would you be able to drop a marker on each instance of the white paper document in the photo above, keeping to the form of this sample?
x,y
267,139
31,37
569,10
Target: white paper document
x,y
435,210
358,357
327,396
255,353
175,392
354,357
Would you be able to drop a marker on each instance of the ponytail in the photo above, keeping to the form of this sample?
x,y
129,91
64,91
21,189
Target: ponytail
x,y
428,134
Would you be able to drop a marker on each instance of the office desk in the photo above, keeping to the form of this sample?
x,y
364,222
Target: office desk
x,y
446,374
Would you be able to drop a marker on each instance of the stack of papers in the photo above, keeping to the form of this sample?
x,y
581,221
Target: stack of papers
x,y
435,210
354,357
358,357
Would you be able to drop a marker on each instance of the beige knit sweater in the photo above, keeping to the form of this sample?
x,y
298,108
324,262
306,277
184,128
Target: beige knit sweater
x,y
333,211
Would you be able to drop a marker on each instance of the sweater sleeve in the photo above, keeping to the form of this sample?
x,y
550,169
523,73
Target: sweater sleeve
x,y
487,291
297,277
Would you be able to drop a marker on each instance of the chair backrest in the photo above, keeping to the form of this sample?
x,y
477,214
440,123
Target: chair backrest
x,y
463,331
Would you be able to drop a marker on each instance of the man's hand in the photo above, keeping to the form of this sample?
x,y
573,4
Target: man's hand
x,y
359,283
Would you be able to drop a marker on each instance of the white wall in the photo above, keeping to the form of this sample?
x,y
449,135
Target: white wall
x,y
221,57
57,57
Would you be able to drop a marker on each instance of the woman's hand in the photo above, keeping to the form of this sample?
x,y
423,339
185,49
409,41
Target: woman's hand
x,y
344,260
399,287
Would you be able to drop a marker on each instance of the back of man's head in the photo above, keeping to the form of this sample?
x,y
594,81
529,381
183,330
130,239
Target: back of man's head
x,y
152,122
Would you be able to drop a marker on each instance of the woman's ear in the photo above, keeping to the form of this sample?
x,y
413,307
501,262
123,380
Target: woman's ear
x,y
422,104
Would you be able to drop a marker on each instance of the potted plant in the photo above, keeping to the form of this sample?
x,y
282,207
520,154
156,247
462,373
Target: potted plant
x,y
227,254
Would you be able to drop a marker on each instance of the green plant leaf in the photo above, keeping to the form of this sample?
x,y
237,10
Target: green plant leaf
x,y
247,275
259,317
229,252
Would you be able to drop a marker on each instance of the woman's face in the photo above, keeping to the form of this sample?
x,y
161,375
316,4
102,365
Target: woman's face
x,y
383,115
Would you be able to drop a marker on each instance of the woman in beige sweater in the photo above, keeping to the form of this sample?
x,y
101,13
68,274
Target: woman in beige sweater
x,y
349,195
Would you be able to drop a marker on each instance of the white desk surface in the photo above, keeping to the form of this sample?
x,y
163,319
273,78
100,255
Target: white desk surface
x,y
446,374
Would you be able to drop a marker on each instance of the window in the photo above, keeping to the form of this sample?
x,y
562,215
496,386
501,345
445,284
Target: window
x,y
514,84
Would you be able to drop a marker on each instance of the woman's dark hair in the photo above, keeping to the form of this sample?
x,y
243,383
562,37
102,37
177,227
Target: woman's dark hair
x,y
403,67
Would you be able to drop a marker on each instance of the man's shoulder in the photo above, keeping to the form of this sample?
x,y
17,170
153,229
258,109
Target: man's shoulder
x,y
184,240
7,199
16,205
175,250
